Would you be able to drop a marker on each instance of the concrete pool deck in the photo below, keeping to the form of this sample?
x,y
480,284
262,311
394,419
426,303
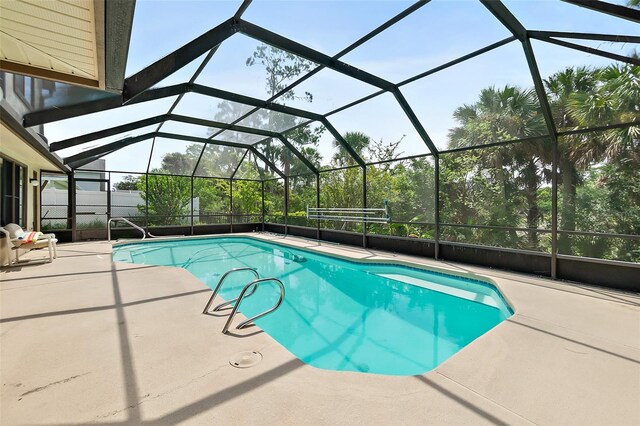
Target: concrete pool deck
x,y
86,340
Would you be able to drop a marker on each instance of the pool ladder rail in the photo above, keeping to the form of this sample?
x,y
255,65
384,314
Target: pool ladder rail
x,y
246,291
122,219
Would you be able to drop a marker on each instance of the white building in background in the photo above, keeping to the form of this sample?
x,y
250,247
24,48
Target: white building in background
x,y
94,170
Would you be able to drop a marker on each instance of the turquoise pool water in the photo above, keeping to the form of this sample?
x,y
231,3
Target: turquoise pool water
x,y
338,314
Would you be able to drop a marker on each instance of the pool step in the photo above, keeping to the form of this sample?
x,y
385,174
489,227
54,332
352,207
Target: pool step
x,y
485,299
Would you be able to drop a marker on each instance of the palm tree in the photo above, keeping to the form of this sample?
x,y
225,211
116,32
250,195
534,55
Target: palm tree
x,y
499,115
615,100
573,149
306,140
582,97
358,141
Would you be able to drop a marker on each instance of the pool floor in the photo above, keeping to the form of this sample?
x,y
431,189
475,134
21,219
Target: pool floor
x,y
337,314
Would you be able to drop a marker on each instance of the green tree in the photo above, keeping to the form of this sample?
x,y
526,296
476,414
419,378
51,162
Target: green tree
x,y
274,201
177,163
614,153
213,198
281,68
128,183
622,204
512,170
168,198
169,187
573,149
583,97
247,197
302,193
616,99
382,151
217,160
342,188
306,140
358,141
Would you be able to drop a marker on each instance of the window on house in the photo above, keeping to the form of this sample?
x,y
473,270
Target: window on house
x,y
12,188
23,86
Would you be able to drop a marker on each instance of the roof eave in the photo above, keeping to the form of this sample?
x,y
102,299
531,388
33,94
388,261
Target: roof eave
x,y
36,141
118,22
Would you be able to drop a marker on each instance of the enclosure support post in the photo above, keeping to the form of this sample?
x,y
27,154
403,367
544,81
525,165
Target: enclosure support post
x,y
553,135
436,212
554,207
191,205
37,203
108,212
231,205
364,206
502,13
262,206
318,205
146,202
286,205
71,212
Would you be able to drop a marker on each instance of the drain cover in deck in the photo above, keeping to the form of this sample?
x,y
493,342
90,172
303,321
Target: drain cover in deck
x,y
245,359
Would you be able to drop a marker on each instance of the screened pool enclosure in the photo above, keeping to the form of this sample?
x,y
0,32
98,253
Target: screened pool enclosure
x,y
504,134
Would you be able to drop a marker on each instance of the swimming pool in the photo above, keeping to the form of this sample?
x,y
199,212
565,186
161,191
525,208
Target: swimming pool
x,y
340,314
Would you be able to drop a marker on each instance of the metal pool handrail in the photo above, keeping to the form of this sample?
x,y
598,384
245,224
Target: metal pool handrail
x,y
217,289
253,284
116,219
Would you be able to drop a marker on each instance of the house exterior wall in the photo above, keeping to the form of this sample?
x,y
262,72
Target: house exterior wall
x,y
15,148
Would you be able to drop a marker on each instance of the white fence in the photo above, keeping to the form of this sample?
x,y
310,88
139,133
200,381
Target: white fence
x,y
91,206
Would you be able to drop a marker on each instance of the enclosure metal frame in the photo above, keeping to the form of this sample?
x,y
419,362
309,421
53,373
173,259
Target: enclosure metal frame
x,y
139,88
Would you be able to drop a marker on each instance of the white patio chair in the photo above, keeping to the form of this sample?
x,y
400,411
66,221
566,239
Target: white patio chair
x,y
13,235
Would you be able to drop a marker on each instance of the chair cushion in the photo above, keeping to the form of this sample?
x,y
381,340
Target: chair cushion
x,y
29,237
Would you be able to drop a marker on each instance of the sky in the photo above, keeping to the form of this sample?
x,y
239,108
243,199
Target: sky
x,y
435,34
